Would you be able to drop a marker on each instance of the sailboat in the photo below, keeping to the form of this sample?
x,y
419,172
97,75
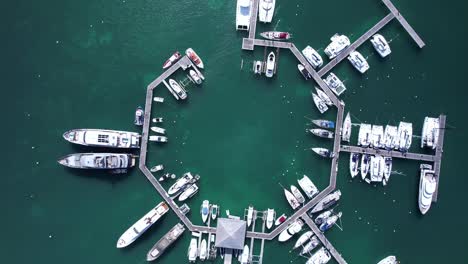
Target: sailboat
x,y
303,239
250,212
354,164
346,134
365,165
293,202
270,218
295,191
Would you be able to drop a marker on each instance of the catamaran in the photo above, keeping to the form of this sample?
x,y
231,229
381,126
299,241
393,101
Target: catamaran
x,y
321,105
335,84
293,229
250,213
346,134
364,137
137,229
390,136
358,61
323,152
377,136
337,45
193,56
175,57
389,260
354,164
321,133
329,222
427,188
308,186
103,138
303,239
323,96
299,197
321,256
292,200
177,89
205,210
405,135
270,218
430,132
167,240
312,57
266,9
305,73
115,162
327,202
380,45
180,183
192,253
244,12
323,123
276,35
270,65
311,245
365,165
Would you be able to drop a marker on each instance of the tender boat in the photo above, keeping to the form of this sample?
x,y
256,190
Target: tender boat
x,y
205,210
193,250
280,219
158,99
137,229
276,35
312,57
250,212
427,188
380,45
364,137
289,232
103,138
299,197
377,136
346,134
405,135
159,130
430,132
175,57
244,12
258,67
335,84
311,245
188,192
244,259
389,260
180,183
323,152
270,65
321,256
308,186
177,89
365,165
195,77
303,239
158,249
321,105
354,164
102,161
323,216
323,123
323,96
387,168
203,250
292,200
266,9
157,168
193,56
390,136
270,218
304,72
157,120
139,116
358,61
321,133
327,202
337,45
214,211
329,222
158,138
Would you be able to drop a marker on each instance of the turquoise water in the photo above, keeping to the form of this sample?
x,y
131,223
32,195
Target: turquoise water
x,y
69,64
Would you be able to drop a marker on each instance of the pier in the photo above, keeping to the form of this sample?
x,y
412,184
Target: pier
x,y
438,154
253,19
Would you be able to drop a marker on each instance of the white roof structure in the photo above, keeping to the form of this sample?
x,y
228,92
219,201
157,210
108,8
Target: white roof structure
x,y
230,233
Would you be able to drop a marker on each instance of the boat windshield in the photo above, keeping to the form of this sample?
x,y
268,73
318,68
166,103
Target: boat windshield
x,y
245,10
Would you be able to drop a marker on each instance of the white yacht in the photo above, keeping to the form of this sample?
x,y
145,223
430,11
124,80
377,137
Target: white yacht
x,y
321,256
323,96
266,9
299,197
430,132
293,229
188,192
365,165
390,136
327,202
293,202
270,65
330,222
137,229
158,138
380,45
389,260
323,152
354,164
427,188
303,239
192,253
308,186
270,218
321,218
250,213
180,183
319,132
203,250
205,210
377,136
337,45
335,84
346,134
115,162
311,245
157,168
177,89
195,77
312,57
358,61
321,105
364,137
244,12
244,259
405,135
103,138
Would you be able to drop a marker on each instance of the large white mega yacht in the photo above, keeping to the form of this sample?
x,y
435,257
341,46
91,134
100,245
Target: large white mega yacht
x,y
103,138
109,161
266,9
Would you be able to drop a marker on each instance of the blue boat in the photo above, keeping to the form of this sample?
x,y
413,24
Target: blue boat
x,y
324,123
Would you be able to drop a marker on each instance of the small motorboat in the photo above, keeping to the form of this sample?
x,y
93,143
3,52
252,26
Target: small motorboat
x,y
139,116
188,192
157,168
323,123
193,56
346,134
321,105
270,65
203,250
323,152
214,211
244,258
329,222
250,213
311,245
305,73
303,239
323,96
321,133
270,218
323,216
157,120
177,89
289,232
192,253
365,165
158,99
159,130
308,186
299,197
175,57
258,67
280,219
205,210
321,256
158,138
195,77
292,200
354,164
389,260
276,35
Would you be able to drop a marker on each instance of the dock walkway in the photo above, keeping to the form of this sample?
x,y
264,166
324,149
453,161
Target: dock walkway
x,y
438,154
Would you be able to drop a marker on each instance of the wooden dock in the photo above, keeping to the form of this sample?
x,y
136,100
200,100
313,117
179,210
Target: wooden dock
x,y
253,19
388,153
438,154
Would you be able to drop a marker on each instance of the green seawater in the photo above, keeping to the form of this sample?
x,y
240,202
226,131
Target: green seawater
x,y
86,64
